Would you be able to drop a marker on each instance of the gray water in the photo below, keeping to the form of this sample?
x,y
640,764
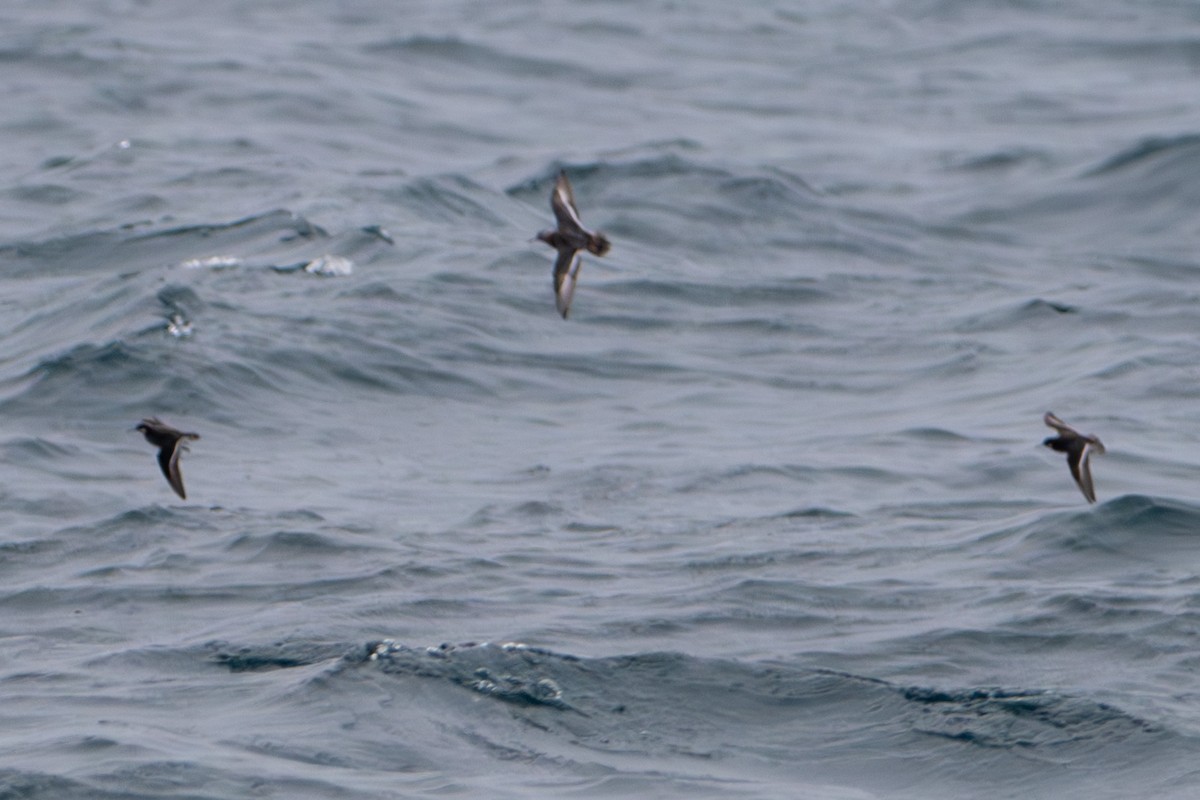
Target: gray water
x,y
768,517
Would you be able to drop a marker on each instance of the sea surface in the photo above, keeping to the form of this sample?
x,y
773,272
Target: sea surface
x,y
768,517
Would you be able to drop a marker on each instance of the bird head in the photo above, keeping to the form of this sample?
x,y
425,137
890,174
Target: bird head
x,y
598,244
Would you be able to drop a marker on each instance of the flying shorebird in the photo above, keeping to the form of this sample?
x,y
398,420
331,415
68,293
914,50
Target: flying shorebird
x,y
1078,448
169,443
568,239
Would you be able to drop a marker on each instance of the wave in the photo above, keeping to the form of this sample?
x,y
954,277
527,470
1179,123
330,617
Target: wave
x,y
679,712
128,342
1127,532
1124,203
642,686
686,205
453,54
1127,521
1171,154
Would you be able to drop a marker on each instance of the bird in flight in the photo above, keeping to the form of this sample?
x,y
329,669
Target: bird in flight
x,y
568,239
1079,449
170,443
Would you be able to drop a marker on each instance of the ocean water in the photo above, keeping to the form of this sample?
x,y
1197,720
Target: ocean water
x,y
768,517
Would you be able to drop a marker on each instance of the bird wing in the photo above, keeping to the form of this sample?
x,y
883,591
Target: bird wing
x,y
562,203
566,271
168,459
1078,458
1058,425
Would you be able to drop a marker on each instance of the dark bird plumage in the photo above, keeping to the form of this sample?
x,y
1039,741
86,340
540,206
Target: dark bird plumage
x,y
170,443
1079,449
568,239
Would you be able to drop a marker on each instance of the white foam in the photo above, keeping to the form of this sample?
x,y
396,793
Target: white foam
x,y
330,265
